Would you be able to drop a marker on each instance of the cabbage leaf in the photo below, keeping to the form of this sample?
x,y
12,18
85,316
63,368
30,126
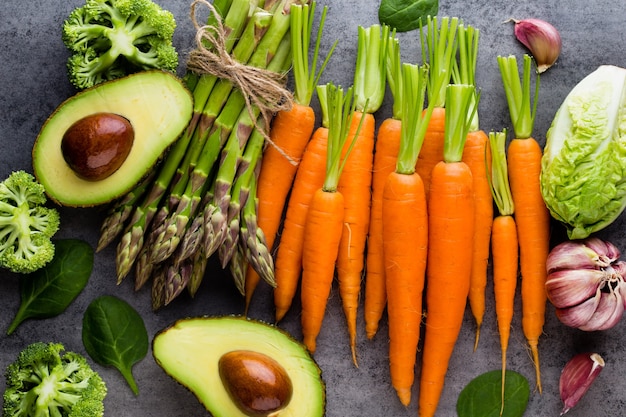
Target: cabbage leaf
x,y
583,172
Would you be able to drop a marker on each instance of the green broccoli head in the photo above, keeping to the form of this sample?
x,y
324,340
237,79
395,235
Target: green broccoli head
x,y
112,38
46,381
26,225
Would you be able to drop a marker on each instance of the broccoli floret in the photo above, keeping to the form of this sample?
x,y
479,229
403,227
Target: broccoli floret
x,y
47,381
26,225
112,38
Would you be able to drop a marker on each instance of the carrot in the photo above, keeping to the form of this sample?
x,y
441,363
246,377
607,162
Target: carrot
x,y
450,240
385,156
356,179
438,50
405,236
290,132
310,177
324,221
477,156
505,247
531,214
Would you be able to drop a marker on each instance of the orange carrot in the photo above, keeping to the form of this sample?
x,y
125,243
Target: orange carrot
x,y
356,179
309,178
477,156
405,237
531,214
438,50
385,156
450,240
505,247
324,221
289,134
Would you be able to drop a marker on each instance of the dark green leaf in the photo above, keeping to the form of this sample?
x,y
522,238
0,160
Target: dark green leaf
x,y
482,397
48,291
405,15
114,334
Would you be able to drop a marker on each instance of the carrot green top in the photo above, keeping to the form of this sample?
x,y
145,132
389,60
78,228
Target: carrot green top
x,y
518,94
461,105
340,107
394,76
305,75
370,72
440,44
464,69
500,188
414,81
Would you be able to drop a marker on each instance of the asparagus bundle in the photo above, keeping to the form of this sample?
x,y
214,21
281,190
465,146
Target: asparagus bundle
x,y
201,199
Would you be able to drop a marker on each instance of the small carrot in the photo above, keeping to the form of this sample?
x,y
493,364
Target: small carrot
x,y
439,46
478,157
385,156
450,240
290,131
324,222
504,246
310,177
405,236
356,179
531,214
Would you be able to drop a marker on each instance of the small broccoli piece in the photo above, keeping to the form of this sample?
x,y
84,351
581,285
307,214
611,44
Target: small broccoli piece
x,y
112,38
47,381
26,226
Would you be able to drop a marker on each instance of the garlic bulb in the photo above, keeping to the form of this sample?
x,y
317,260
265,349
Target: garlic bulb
x,y
577,376
542,40
586,284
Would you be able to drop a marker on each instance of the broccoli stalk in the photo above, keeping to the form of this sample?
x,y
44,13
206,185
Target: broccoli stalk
x,y
45,381
26,226
113,38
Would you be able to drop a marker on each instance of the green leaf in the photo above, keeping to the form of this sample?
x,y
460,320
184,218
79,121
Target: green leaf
x,y
48,291
114,334
405,15
482,396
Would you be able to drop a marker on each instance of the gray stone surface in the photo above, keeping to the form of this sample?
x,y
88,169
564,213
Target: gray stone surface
x,y
33,83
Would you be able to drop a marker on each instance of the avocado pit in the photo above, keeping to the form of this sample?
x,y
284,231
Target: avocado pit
x,y
96,145
256,383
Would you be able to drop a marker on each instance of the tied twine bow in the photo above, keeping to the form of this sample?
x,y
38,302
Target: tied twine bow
x,y
261,88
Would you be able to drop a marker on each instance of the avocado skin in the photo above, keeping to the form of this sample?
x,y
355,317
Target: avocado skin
x,y
156,103
189,352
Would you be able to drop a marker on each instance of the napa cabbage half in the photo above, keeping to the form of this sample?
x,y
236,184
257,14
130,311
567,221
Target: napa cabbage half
x,y
583,178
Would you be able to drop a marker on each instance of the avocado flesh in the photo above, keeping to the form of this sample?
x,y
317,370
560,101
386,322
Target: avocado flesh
x,y
190,349
158,106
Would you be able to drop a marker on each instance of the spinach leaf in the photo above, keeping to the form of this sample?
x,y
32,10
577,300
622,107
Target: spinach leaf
x,y
48,291
483,395
114,334
405,15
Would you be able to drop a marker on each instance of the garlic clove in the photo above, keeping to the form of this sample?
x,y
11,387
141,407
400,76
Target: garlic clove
x,y
577,376
580,314
608,313
591,253
566,288
541,38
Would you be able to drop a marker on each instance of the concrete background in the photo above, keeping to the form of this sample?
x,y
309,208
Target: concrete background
x,y
33,83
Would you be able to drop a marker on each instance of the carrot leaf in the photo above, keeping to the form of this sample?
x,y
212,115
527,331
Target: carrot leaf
x,y
464,69
500,188
370,72
305,73
460,108
414,81
518,94
439,46
341,106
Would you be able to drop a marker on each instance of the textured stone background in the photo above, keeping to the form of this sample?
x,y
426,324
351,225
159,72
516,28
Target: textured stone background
x,y
33,83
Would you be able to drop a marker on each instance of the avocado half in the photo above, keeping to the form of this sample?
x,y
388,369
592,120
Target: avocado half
x,y
158,106
189,351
